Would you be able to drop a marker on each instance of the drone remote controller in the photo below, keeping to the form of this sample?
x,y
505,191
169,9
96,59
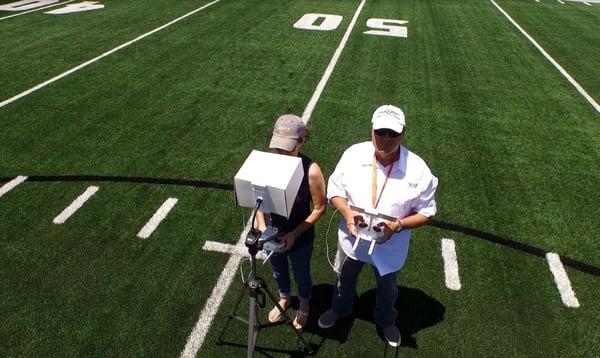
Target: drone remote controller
x,y
271,241
368,230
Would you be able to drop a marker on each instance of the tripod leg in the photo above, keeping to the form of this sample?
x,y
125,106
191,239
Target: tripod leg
x,y
232,314
252,324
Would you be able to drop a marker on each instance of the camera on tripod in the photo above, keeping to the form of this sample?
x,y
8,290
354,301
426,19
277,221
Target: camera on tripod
x,y
267,182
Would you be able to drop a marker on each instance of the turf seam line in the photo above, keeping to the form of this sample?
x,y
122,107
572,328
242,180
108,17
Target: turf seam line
x,y
157,218
567,295
11,185
211,307
450,265
552,61
33,10
105,54
75,205
323,82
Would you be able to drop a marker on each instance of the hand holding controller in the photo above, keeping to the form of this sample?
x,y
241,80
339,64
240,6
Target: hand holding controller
x,y
368,229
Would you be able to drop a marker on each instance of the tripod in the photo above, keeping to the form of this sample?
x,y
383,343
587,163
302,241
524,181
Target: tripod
x,y
256,287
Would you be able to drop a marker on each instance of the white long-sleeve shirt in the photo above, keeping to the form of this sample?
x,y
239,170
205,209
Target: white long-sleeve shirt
x,y
410,189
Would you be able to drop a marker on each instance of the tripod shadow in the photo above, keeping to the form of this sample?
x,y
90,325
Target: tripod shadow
x,y
416,311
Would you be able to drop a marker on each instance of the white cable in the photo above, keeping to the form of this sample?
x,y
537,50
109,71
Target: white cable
x,y
327,241
327,244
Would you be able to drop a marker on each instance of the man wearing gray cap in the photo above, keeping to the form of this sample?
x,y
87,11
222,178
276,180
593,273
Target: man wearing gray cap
x,y
289,134
383,175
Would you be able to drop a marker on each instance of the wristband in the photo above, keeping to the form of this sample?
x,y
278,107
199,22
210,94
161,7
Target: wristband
x,y
399,228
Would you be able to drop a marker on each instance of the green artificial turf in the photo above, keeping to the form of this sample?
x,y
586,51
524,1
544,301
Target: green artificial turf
x,y
515,147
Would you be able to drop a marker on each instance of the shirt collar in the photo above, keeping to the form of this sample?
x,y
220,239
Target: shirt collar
x,y
400,164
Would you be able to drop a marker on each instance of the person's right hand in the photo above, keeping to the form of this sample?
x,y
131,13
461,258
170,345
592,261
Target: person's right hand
x,y
353,222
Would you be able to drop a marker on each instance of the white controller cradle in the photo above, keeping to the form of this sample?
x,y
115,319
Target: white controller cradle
x,y
368,230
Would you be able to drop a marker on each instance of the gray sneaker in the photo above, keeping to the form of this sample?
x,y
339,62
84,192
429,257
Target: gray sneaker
x,y
392,335
328,319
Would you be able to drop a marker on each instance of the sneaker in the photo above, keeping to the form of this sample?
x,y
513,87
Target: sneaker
x,y
392,335
328,319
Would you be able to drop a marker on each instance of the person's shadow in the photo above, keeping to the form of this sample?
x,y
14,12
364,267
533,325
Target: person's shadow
x,y
416,311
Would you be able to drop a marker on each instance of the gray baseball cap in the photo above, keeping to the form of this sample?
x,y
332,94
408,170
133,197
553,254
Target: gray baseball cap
x,y
288,129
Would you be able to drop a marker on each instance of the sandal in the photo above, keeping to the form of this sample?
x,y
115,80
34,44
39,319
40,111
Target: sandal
x,y
275,314
301,319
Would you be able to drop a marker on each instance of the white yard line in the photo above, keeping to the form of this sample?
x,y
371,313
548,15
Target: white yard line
x,y
158,216
239,249
321,86
211,307
107,53
11,185
567,295
552,61
75,205
41,8
450,265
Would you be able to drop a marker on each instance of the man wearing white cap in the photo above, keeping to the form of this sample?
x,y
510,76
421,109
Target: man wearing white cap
x,y
384,175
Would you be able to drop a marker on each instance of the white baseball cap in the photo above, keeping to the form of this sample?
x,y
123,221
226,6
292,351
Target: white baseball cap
x,y
390,117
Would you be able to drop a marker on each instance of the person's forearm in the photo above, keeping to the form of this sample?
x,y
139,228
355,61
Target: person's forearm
x,y
260,221
413,221
310,221
341,204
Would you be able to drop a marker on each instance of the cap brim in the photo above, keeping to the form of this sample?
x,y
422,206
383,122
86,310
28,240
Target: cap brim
x,y
396,127
287,144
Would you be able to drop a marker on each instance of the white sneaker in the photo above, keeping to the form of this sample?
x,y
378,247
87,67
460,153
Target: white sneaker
x,y
392,336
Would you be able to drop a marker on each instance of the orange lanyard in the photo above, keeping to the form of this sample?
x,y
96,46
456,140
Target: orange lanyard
x,y
374,198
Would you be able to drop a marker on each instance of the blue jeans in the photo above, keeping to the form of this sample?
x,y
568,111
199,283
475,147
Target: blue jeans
x,y
300,259
345,289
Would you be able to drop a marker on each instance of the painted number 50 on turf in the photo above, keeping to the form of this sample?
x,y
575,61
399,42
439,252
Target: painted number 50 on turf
x,y
328,22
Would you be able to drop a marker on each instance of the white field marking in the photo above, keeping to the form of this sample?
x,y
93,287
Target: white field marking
x,y
42,8
240,250
450,265
107,53
211,307
560,2
75,205
567,295
11,184
321,86
158,216
552,61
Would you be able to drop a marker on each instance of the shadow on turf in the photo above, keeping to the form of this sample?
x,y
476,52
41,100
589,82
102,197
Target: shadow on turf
x,y
416,311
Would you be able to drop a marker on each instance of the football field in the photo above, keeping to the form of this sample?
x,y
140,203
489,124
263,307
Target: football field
x,y
123,123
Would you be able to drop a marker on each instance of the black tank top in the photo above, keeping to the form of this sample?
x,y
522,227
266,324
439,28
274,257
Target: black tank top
x,y
300,210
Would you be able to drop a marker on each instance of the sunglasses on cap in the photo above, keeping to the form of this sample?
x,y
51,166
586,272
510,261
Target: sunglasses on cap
x,y
386,132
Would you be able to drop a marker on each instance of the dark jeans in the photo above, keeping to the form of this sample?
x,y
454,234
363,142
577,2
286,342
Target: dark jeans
x,y
345,290
300,260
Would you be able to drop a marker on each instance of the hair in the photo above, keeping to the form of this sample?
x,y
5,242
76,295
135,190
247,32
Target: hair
x,y
306,135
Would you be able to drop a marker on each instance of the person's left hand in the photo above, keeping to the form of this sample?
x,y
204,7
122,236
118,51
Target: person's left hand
x,y
288,240
386,226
